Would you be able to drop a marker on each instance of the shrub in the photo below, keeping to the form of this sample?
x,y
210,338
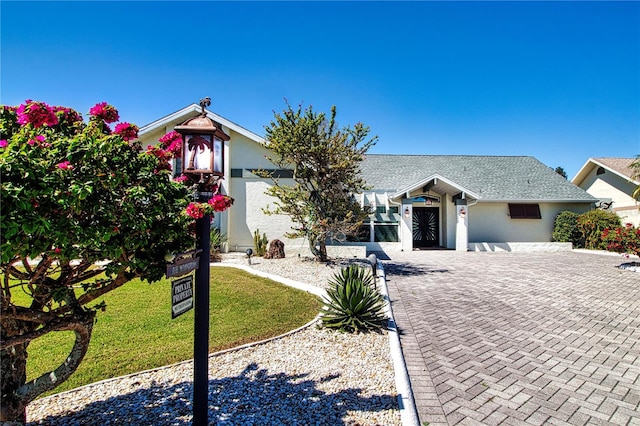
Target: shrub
x,y
565,229
593,223
216,240
623,240
353,304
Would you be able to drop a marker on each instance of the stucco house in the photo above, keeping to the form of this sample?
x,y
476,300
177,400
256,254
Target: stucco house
x,y
611,181
417,201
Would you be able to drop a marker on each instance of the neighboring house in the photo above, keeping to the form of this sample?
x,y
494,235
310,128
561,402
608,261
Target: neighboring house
x,y
611,181
455,202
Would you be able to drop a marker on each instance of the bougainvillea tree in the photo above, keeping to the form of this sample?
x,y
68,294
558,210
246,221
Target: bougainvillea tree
x,y
84,211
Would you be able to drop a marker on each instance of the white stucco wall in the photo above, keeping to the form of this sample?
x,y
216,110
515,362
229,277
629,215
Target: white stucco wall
x,y
609,185
616,188
490,222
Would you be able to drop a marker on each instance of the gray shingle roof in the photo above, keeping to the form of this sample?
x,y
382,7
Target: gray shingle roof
x,y
493,178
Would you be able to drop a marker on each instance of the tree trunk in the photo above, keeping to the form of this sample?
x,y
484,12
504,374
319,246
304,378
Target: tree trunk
x,y
323,251
16,392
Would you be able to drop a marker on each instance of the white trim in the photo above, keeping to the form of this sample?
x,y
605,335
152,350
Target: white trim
x,y
407,190
184,112
529,201
585,170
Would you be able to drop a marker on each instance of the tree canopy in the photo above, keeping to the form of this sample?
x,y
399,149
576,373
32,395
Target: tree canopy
x,y
84,210
326,174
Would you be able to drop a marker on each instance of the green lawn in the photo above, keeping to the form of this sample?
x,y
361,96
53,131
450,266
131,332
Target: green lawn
x,y
136,331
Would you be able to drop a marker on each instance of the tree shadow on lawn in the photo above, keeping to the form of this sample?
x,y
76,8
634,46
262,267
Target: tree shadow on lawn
x,y
284,400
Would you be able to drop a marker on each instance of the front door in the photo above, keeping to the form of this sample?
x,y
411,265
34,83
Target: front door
x,y
426,227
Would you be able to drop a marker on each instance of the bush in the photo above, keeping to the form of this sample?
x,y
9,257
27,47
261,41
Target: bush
x,y
353,303
217,239
593,223
565,229
623,240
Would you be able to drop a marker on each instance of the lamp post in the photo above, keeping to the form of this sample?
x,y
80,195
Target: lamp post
x,y
203,163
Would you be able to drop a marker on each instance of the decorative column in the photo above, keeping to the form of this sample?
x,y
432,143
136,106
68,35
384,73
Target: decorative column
x,y
406,225
462,225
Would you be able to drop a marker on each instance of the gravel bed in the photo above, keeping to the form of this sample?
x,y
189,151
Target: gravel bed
x,y
309,377
302,269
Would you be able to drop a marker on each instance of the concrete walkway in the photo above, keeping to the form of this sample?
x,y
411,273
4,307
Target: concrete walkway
x,y
518,338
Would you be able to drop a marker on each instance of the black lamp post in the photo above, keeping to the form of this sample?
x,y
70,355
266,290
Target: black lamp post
x,y
202,162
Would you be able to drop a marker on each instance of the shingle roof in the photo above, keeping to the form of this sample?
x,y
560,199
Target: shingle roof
x,y
620,165
493,178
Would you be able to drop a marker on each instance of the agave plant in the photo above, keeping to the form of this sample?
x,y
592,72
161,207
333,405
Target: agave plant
x,y
353,304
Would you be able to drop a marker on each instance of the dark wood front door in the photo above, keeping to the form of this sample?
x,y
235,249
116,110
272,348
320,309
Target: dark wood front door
x,y
426,227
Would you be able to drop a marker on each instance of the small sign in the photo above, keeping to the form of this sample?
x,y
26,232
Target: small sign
x,y
181,296
184,263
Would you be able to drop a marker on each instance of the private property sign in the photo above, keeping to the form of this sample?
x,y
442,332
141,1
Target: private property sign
x,y
181,296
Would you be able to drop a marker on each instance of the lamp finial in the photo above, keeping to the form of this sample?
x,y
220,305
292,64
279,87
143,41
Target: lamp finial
x,y
205,102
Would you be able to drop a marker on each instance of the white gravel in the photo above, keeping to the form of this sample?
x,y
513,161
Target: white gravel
x,y
309,377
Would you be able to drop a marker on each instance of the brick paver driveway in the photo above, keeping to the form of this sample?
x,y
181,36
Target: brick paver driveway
x,y
515,338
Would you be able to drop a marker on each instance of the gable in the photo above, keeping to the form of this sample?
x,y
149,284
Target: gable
x,y
618,166
156,129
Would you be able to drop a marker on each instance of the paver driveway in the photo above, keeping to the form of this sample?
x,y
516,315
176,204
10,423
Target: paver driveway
x,y
519,338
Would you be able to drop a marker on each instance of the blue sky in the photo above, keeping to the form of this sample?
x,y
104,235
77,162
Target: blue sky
x,y
556,80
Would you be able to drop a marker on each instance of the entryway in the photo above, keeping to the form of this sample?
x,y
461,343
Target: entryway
x,y
426,227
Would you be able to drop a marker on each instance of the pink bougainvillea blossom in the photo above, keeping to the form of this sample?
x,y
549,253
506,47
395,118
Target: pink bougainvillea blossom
x,y
195,210
181,178
67,116
172,142
36,113
39,141
105,112
220,202
3,143
127,131
65,165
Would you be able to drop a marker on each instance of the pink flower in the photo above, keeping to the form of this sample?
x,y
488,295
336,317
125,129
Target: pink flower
x,y
57,250
172,143
67,116
105,112
36,113
39,140
65,165
127,131
220,202
195,210
181,178
3,143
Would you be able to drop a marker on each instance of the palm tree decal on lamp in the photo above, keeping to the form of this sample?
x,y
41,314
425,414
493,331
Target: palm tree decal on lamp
x,y
195,144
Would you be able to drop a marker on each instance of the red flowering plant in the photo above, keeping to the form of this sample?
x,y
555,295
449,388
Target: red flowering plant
x,y
625,240
127,131
84,211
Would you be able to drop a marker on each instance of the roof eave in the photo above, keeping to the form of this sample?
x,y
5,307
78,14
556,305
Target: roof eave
x,y
590,164
541,200
423,182
162,122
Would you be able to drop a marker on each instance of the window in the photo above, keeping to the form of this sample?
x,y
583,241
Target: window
x,y
524,211
384,233
600,171
362,235
381,210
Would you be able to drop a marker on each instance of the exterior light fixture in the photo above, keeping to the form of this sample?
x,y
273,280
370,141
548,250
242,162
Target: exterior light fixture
x,y
249,253
202,146
406,212
203,163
